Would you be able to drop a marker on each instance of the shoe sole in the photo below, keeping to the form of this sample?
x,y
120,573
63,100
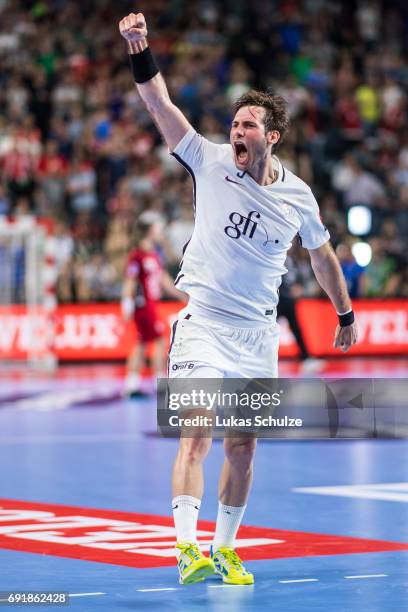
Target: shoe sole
x,y
226,581
200,573
238,583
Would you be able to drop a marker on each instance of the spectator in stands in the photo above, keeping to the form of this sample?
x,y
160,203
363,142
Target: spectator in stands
x,y
64,80
81,184
377,278
178,234
5,205
334,218
363,187
51,175
98,280
394,243
117,243
348,117
63,244
393,101
66,94
20,150
353,272
369,104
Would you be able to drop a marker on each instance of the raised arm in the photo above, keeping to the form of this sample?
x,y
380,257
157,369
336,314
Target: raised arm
x,y
330,277
150,84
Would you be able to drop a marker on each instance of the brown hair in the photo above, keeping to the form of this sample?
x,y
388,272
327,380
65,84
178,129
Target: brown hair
x,y
141,228
276,111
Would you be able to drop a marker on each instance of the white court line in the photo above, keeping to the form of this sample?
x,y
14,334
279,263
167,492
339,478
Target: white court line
x,y
156,590
366,576
300,580
84,594
375,492
78,438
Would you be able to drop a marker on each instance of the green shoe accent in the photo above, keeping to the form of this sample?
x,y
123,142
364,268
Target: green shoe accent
x,y
230,567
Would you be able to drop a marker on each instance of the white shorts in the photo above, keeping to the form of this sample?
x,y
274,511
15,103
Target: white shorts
x,y
202,349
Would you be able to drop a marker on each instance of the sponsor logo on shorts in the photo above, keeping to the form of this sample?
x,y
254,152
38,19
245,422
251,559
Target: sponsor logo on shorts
x,y
147,540
185,365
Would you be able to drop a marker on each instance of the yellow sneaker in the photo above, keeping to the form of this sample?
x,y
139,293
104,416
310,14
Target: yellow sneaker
x,y
229,566
193,565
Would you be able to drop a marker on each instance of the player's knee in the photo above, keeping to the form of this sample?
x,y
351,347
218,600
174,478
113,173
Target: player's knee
x,y
194,450
240,453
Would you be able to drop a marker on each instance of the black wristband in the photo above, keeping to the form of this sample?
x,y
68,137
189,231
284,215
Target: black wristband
x,y
346,319
143,66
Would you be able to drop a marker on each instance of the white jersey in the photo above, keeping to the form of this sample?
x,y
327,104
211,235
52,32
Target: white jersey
x,y
233,264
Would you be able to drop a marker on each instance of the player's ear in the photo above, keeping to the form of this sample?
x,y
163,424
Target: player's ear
x,y
273,137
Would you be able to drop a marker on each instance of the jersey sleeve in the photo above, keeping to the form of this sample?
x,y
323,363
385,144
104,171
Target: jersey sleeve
x,y
313,234
194,151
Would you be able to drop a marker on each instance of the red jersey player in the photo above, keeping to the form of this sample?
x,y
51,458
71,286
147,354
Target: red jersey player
x,y
145,280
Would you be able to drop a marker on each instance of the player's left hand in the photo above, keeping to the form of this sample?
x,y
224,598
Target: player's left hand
x,y
345,337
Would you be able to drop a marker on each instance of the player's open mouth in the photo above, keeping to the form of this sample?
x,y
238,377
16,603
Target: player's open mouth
x,y
241,152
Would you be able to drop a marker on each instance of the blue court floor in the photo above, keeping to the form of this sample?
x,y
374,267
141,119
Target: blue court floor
x,y
71,440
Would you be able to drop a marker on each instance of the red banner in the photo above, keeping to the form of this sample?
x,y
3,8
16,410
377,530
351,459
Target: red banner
x,y
382,324
98,332
147,540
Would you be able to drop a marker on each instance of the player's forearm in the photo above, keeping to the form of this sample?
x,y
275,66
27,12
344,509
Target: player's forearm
x,y
153,91
331,279
127,303
129,288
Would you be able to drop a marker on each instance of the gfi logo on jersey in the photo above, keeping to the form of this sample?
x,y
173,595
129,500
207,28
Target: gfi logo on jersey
x,y
242,226
185,365
246,226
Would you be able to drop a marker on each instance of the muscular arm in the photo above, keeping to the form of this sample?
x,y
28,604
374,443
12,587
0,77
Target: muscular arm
x,y
330,277
169,119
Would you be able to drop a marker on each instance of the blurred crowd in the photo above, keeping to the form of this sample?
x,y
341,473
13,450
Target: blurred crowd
x,y
77,145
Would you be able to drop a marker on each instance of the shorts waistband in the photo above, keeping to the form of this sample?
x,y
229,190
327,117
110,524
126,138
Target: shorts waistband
x,y
193,313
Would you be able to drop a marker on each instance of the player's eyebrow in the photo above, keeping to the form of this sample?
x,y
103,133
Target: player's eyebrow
x,y
246,122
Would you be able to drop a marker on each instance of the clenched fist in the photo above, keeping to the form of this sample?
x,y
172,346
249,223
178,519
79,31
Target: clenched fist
x,y
345,337
133,27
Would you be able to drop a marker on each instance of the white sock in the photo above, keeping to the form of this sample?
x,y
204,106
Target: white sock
x,y
228,521
185,512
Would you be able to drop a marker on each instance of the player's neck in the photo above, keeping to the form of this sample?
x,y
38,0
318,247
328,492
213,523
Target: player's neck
x,y
146,245
263,172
